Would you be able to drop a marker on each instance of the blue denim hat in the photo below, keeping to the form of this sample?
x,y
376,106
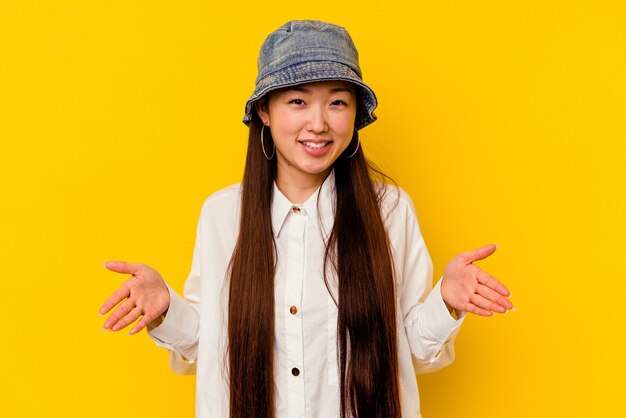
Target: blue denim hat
x,y
302,51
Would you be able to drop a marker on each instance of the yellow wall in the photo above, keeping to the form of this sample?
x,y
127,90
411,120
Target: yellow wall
x,y
503,119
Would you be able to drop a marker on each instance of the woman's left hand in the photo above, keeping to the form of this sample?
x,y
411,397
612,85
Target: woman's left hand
x,y
465,287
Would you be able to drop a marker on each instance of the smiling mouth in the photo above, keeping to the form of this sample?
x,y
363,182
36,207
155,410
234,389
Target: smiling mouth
x,y
315,145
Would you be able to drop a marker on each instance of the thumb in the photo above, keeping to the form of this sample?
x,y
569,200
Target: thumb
x,y
479,253
122,267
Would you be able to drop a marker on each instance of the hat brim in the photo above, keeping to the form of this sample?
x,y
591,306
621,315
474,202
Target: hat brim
x,y
316,71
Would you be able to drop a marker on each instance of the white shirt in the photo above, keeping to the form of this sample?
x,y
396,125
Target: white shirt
x,y
195,329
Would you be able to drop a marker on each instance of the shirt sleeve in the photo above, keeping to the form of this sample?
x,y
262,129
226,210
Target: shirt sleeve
x,y
178,332
429,327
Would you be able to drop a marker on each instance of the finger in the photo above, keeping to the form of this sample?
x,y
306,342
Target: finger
x,y
493,296
479,253
485,303
117,314
143,322
123,267
470,307
490,281
117,296
128,319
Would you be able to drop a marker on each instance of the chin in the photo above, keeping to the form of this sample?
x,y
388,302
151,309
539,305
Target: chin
x,y
317,169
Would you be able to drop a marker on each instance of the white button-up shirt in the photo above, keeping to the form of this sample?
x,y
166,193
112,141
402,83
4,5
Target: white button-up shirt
x,y
306,374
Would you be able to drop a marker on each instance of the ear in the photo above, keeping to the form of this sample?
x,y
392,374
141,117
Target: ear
x,y
262,110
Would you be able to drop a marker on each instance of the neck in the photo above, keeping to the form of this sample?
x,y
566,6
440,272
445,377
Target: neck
x,y
298,187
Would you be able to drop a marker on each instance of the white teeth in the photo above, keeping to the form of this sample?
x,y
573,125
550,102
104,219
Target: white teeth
x,y
314,144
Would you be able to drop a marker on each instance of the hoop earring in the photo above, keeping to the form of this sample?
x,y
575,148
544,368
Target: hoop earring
x,y
358,144
263,145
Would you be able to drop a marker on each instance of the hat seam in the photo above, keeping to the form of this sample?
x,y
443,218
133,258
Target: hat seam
x,y
303,65
306,50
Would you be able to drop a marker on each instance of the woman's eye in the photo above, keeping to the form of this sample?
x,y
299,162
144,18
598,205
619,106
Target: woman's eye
x,y
339,103
296,101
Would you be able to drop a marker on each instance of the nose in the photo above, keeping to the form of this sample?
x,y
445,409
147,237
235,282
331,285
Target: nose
x,y
317,120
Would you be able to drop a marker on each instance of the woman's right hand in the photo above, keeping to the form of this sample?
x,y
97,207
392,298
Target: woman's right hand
x,y
143,295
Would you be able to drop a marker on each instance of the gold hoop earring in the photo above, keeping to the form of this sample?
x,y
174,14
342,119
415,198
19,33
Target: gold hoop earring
x,y
358,143
263,145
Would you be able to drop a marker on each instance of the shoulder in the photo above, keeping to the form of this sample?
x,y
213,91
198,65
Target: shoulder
x,y
224,201
398,213
394,201
219,222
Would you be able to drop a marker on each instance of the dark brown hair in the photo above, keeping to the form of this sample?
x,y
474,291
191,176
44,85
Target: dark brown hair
x,y
359,251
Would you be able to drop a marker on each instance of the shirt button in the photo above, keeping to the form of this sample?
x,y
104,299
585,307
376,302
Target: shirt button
x,y
293,310
295,371
296,209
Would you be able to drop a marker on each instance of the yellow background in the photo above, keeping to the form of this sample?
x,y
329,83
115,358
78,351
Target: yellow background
x,y
503,119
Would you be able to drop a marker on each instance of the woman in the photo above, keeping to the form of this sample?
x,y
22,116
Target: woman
x,y
310,288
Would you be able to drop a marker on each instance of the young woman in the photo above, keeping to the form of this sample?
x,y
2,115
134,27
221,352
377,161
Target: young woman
x,y
310,288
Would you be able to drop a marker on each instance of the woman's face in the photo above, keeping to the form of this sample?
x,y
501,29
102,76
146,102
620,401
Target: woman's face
x,y
311,124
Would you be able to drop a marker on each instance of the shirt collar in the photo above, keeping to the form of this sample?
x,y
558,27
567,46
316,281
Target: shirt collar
x,y
281,206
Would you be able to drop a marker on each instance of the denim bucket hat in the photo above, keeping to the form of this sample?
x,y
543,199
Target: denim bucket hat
x,y
302,51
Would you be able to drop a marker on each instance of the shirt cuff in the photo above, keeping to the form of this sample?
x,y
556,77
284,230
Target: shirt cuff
x,y
435,319
180,325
